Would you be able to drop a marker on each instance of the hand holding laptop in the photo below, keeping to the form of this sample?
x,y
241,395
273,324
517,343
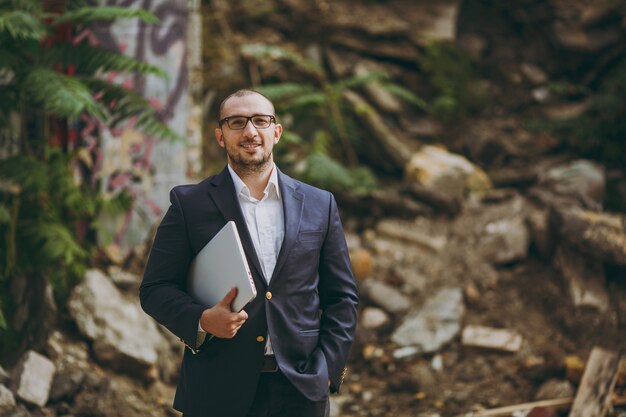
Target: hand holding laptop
x,y
220,320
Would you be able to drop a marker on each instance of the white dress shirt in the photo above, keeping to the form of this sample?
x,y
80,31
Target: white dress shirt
x,y
265,221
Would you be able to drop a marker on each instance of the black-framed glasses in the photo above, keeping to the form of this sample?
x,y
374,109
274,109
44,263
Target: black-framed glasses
x,y
260,121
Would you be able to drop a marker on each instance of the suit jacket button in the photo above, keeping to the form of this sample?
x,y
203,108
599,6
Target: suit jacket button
x,y
268,295
260,339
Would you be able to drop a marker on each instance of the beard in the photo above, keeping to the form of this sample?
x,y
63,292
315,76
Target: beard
x,y
248,164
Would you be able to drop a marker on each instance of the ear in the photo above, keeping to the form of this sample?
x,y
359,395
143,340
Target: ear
x,y
278,131
219,137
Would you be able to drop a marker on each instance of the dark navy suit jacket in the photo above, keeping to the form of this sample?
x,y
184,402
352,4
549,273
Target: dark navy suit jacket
x,y
311,316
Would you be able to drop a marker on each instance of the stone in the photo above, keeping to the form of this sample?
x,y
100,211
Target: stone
x,y
554,388
406,352
373,318
411,233
32,378
584,277
575,38
541,235
577,178
433,21
362,263
7,400
505,241
487,337
451,174
433,325
565,111
574,368
66,384
385,296
122,334
533,73
541,94
123,279
601,236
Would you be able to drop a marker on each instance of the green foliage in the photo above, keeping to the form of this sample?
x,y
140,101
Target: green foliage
x,y
48,203
457,90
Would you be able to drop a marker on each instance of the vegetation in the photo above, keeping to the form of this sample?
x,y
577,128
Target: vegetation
x,y
600,132
51,82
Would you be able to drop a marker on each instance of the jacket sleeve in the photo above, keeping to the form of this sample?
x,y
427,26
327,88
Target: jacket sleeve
x,y
338,299
162,291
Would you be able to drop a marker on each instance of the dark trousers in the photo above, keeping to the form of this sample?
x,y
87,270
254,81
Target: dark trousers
x,y
277,397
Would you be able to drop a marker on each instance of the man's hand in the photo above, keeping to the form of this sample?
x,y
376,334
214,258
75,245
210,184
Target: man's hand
x,y
220,320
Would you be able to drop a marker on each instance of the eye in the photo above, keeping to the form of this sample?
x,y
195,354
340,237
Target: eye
x,y
237,122
261,121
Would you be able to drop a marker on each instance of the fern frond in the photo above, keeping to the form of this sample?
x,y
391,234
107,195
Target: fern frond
x,y
90,14
21,25
325,172
130,104
406,95
89,60
311,99
57,241
359,80
63,95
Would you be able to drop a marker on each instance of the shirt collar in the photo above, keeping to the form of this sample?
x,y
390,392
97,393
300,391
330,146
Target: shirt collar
x,y
241,187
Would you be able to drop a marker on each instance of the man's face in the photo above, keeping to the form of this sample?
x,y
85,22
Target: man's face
x,y
249,149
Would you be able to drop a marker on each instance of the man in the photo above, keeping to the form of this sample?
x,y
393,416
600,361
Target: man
x,y
286,350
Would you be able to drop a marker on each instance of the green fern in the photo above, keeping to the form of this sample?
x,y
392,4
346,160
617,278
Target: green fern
x,y
21,25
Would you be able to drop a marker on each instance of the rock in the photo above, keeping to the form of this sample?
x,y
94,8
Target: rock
x,y
383,99
411,233
7,400
540,94
505,241
122,334
533,73
20,411
487,337
32,378
434,324
601,236
66,353
401,50
541,235
373,318
421,126
565,111
385,296
554,388
406,352
362,263
66,384
124,279
576,39
584,277
580,178
450,174
432,21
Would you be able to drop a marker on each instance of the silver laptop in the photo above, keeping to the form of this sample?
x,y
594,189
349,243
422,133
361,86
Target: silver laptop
x,y
218,267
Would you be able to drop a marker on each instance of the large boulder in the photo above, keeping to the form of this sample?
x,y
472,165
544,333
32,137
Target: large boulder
x,y
453,175
122,334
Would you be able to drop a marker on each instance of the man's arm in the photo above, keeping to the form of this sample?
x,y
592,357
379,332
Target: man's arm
x,y
162,291
338,299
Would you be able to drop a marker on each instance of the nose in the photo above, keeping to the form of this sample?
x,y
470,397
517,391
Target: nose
x,y
249,130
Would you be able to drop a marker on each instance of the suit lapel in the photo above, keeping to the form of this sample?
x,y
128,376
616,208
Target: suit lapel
x,y
293,202
222,191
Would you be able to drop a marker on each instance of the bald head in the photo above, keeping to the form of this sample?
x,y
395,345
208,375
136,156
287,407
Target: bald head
x,y
242,93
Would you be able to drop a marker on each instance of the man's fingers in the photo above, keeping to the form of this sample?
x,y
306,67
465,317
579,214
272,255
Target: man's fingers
x,y
229,298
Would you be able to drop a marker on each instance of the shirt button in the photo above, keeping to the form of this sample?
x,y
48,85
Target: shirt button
x,y
260,339
268,295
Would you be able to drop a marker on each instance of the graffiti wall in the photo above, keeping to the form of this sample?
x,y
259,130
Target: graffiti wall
x,y
147,167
